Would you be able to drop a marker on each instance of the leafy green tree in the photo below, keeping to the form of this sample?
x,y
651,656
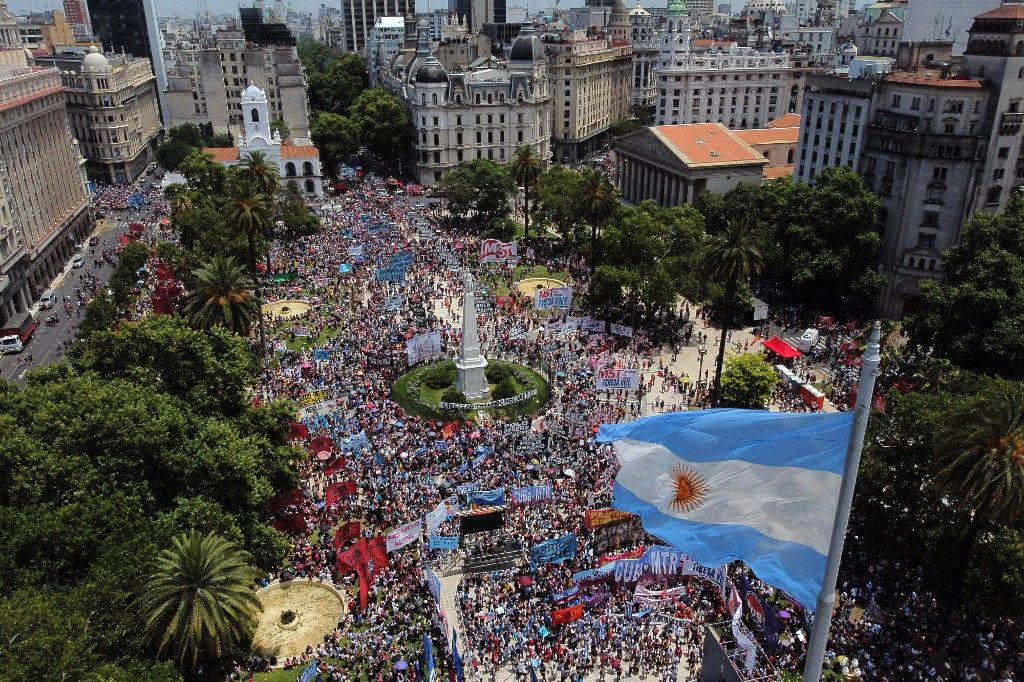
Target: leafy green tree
x,y
974,316
122,282
221,295
597,202
526,167
189,134
198,602
171,153
383,122
748,381
248,214
100,314
203,174
337,138
279,126
293,211
730,257
257,167
222,140
479,186
557,201
334,79
980,464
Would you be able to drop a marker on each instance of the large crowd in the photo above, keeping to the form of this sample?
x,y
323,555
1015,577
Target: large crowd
x,y
373,466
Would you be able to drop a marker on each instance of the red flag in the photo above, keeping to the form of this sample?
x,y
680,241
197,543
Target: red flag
x,y
319,444
345,533
354,559
298,431
567,615
378,555
335,466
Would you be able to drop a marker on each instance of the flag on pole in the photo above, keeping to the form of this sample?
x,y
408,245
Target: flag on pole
x,y
727,484
428,658
457,659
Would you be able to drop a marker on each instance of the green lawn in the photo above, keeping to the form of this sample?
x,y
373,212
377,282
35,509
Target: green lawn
x,y
282,675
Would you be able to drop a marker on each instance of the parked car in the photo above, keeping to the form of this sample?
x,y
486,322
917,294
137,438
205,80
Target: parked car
x,y
78,261
48,300
94,240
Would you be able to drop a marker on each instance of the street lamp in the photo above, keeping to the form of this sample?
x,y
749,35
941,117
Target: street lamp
x,y
702,350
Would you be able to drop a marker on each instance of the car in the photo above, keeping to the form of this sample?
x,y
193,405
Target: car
x,y
11,344
78,261
94,240
48,300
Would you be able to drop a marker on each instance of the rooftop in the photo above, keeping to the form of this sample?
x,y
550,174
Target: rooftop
x,y
1010,11
707,144
789,120
932,79
223,154
299,151
768,135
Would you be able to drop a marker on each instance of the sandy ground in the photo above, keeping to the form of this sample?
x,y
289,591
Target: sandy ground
x,y
318,609
528,287
277,309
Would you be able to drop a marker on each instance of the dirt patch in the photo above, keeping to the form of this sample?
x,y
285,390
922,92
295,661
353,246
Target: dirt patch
x,y
286,310
316,610
528,287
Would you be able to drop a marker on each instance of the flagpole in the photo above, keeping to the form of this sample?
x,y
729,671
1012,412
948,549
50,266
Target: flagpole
x,y
827,597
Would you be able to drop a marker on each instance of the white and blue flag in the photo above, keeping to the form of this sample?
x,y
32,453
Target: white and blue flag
x,y
725,485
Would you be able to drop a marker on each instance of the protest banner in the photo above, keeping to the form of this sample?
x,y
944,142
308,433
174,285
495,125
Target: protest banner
x,y
422,347
557,298
443,542
553,551
594,576
404,534
532,495
433,584
595,518
567,615
592,326
616,533
504,402
618,379
621,330
497,251
515,428
487,498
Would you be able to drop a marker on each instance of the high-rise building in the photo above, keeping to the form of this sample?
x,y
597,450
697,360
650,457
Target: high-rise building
x,y
386,38
77,13
45,31
130,26
948,20
645,36
44,206
112,108
359,16
477,13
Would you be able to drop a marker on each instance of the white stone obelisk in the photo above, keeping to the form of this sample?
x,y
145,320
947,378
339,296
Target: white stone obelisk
x,y
470,364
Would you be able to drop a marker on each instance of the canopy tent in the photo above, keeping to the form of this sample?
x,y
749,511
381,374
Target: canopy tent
x,y
781,348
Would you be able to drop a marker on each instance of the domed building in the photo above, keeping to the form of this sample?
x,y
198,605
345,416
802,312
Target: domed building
x,y
645,35
484,111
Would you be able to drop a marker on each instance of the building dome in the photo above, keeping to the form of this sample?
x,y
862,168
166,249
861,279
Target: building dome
x,y
431,71
253,94
639,11
95,62
527,47
850,49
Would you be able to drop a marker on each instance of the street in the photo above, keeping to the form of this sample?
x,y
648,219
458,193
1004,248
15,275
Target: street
x,y
43,347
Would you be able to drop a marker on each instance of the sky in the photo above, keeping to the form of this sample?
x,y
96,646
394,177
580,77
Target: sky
x,y
187,8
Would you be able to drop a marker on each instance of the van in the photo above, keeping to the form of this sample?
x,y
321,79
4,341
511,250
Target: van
x,y
48,300
808,340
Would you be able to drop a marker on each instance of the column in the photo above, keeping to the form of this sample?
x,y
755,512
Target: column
x,y
686,192
20,304
663,193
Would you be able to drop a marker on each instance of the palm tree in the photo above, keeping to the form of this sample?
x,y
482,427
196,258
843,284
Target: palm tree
x,y
526,168
222,296
198,600
730,257
247,212
257,167
596,205
979,463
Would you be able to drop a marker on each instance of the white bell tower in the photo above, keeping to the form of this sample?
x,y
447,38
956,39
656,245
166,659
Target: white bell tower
x,y
256,114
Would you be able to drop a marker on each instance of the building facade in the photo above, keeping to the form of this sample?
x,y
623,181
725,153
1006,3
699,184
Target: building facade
x,y
734,85
113,111
645,37
880,37
591,88
44,206
359,16
835,115
45,31
130,26
77,14
207,80
295,163
673,165
481,113
383,44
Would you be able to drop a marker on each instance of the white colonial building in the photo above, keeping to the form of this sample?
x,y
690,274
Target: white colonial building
x,y
645,35
734,85
295,162
480,113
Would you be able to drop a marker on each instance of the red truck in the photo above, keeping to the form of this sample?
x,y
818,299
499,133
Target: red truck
x,y
15,336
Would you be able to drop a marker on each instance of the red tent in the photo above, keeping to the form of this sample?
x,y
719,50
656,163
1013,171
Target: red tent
x,y
781,348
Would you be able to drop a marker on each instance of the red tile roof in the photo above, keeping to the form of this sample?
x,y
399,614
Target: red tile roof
x,y
789,120
223,154
302,151
768,135
932,80
707,144
1012,11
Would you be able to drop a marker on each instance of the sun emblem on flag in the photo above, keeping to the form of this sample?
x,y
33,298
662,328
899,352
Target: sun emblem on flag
x,y
690,489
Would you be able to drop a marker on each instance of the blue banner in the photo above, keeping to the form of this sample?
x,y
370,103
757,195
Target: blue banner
x,y
593,574
321,355
403,259
532,494
389,274
355,442
553,551
355,250
309,674
345,268
565,596
466,488
443,542
433,584
394,302
482,455
488,498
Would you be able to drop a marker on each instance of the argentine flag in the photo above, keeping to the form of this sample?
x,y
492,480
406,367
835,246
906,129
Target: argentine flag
x,y
728,484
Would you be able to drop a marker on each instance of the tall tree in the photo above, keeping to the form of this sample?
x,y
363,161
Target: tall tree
x,y
479,186
557,197
336,136
526,168
979,462
247,212
258,168
383,123
730,257
597,203
198,601
221,296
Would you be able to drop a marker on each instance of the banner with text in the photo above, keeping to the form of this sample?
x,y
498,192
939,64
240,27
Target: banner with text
x,y
553,551
496,251
558,298
618,379
423,347
403,535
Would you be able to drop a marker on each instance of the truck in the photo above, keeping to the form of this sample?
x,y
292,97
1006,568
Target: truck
x,y
16,334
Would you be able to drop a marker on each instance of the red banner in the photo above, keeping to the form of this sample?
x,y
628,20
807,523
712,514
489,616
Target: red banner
x,y
594,518
367,559
298,431
290,523
345,533
336,491
632,554
284,500
335,466
319,444
567,615
449,430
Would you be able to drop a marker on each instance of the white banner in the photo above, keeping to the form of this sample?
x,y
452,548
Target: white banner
x,y
423,347
495,251
621,329
403,535
592,326
558,298
444,510
621,379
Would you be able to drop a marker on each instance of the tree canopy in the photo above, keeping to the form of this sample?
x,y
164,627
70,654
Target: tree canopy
x,y
747,381
333,79
481,187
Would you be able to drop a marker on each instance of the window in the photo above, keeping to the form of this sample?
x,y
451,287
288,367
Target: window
x,y
1003,152
993,195
895,100
998,173
255,114
926,240
930,219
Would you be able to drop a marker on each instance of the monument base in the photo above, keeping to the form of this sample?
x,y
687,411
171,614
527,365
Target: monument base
x,y
471,379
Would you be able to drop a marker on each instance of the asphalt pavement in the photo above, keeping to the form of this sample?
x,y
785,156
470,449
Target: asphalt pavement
x,y
46,345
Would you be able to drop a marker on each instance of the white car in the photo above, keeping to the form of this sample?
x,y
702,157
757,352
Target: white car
x,y
48,300
78,261
10,344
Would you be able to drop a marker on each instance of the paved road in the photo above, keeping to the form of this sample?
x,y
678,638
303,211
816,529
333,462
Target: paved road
x,y
43,346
